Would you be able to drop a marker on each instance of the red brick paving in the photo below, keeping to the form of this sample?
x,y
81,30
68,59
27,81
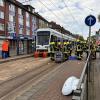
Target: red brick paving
x,y
50,87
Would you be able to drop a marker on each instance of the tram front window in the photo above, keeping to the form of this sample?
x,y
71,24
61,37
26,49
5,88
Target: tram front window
x,y
43,37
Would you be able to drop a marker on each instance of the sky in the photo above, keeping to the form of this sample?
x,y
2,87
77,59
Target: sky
x,y
70,14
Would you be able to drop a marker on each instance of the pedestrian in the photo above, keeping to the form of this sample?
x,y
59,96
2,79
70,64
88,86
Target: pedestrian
x,y
5,49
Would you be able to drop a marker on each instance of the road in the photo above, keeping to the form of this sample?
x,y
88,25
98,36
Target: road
x,y
36,79
49,87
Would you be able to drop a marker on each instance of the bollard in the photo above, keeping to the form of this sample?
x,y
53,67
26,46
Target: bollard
x,y
36,54
44,54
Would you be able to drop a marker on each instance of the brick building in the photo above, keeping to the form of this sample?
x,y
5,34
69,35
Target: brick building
x,y
18,24
57,27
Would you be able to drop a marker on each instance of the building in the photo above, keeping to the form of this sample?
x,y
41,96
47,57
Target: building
x,y
60,29
18,24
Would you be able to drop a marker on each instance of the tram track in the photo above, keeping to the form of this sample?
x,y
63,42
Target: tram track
x,y
8,86
12,69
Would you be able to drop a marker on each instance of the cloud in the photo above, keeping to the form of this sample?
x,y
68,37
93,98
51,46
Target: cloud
x,y
72,18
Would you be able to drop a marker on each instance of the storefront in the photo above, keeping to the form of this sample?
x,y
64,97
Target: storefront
x,y
12,44
31,45
20,45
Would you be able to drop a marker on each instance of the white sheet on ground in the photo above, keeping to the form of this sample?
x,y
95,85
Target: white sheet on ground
x,y
70,85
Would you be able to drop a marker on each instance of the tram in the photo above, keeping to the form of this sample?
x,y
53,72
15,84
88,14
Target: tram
x,y
46,35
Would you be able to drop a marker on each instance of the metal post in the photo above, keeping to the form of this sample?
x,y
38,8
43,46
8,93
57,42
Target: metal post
x,y
89,37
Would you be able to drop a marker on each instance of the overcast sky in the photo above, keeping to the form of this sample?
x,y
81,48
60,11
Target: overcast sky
x,y
68,13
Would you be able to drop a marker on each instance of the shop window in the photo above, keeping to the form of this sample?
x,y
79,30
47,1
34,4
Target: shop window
x,y
1,27
1,2
1,15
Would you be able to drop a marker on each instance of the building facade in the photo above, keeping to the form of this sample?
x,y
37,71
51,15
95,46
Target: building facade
x,y
18,24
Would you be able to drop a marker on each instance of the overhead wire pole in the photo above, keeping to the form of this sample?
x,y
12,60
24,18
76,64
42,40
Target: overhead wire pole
x,y
72,16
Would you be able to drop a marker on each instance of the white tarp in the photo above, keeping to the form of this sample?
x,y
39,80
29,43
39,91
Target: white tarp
x,y
70,85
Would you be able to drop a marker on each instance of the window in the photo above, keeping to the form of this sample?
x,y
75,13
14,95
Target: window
x,y
11,27
21,20
28,23
11,8
43,37
27,15
1,27
19,11
1,2
27,31
11,18
1,15
21,31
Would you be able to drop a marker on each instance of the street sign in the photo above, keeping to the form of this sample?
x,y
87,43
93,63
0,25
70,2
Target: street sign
x,y
90,20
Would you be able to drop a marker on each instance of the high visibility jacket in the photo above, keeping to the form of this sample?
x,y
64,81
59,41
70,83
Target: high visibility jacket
x,y
65,43
59,43
5,46
52,43
79,48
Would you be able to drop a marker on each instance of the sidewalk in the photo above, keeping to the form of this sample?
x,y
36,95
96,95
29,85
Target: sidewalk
x,y
15,58
94,84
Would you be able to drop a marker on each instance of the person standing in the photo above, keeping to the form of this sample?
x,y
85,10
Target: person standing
x,y
5,49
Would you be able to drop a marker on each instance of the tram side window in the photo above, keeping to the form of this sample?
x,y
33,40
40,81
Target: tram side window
x,y
53,38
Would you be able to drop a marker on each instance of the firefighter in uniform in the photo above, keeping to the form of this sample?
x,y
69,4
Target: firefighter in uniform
x,y
59,46
65,50
52,50
79,50
93,50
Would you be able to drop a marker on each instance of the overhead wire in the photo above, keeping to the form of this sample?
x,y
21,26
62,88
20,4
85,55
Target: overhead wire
x,y
53,3
45,5
72,16
57,16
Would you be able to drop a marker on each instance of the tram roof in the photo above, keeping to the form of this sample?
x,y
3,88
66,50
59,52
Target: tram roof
x,y
58,33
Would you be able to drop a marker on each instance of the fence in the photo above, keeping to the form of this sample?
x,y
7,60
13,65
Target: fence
x,y
81,93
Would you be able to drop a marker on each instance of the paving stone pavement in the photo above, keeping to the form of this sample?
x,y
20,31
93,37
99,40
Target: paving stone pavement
x,y
50,87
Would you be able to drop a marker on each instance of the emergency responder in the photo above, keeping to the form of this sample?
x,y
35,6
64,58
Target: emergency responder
x,y
59,46
52,50
70,47
79,50
93,50
65,50
87,50
5,49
